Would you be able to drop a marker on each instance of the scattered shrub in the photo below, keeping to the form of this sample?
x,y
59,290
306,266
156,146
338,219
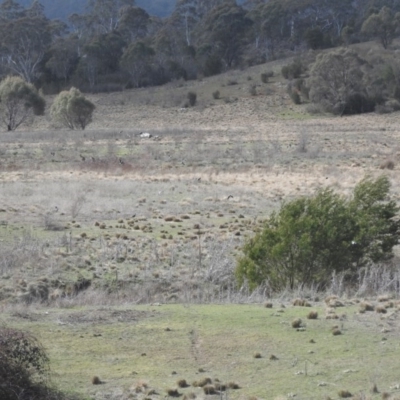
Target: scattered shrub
x,y
266,75
182,383
344,394
253,90
381,309
192,98
19,101
72,109
24,367
220,386
216,95
301,303
209,389
295,97
296,323
365,306
173,392
293,70
233,385
387,164
202,382
312,315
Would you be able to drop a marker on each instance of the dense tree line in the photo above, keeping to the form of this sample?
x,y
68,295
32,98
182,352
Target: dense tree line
x,y
117,44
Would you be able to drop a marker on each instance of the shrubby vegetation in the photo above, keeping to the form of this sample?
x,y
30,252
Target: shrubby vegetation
x,y
24,368
19,101
311,238
72,109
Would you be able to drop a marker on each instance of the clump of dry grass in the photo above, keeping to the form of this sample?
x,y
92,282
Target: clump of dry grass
x,y
173,392
387,164
202,382
233,385
312,315
365,306
296,323
344,394
189,396
374,389
209,389
96,380
301,303
220,386
380,309
182,383
336,331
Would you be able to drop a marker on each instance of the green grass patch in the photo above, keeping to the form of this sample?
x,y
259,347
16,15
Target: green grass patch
x,y
123,346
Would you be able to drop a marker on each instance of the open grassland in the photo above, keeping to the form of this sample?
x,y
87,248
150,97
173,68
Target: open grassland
x,y
143,351
96,224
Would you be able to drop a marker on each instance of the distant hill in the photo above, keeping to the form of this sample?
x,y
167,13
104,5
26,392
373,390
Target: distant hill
x,y
61,9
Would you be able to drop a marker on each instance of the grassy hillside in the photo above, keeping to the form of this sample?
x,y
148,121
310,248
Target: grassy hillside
x,y
119,252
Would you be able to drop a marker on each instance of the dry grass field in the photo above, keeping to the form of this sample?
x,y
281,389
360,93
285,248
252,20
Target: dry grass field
x,y
93,221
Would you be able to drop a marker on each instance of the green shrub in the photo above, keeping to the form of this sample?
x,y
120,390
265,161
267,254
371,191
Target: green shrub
x,y
72,110
24,368
312,237
293,70
19,101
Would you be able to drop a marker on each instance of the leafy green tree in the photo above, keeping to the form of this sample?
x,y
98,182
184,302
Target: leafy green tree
x,y
383,25
310,238
72,109
19,101
334,78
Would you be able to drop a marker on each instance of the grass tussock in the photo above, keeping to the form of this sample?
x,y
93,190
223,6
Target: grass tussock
x,y
312,315
344,394
297,323
366,306
209,389
202,382
171,392
301,303
182,383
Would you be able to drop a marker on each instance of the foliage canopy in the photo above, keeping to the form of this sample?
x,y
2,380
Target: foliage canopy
x,y
72,109
18,101
310,238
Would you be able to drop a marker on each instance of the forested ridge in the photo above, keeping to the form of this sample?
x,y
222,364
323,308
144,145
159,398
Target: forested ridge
x,y
117,44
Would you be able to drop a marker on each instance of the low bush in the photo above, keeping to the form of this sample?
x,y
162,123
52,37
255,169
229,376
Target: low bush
x,y
293,70
24,368
310,238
